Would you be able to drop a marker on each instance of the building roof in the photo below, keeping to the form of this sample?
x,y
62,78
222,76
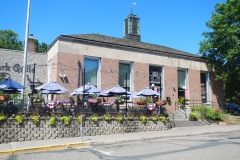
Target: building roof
x,y
97,39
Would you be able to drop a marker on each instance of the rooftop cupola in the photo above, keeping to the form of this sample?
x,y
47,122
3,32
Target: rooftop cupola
x,y
132,28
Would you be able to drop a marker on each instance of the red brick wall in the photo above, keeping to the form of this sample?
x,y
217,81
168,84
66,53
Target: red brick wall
x,y
109,73
71,65
140,76
171,86
194,85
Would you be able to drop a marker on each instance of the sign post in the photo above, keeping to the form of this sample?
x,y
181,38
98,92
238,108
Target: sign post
x,y
81,128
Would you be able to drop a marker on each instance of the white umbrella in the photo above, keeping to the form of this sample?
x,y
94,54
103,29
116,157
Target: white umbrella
x,y
105,93
134,94
52,86
87,88
118,90
147,92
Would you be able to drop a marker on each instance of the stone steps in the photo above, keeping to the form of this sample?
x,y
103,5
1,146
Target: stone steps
x,y
181,121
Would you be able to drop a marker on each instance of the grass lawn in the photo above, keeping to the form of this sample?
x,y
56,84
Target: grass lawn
x,y
231,119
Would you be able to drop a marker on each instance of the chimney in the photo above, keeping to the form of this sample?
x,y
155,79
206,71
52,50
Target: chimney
x,y
31,43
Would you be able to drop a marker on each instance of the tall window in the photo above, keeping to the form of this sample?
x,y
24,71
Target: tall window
x,y
124,75
155,79
182,84
205,87
91,66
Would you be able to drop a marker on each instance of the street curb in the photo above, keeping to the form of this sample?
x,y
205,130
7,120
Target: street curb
x,y
160,137
41,149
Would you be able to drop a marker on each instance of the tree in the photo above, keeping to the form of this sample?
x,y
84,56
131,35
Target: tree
x,y
221,46
41,47
9,40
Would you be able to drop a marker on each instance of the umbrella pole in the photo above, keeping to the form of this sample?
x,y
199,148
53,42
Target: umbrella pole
x,y
126,94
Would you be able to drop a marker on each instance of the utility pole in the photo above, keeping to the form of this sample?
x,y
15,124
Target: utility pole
x,y
25,52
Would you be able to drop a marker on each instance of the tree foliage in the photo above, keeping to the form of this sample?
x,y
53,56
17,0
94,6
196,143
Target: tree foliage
x,y
41,47
221,46
9,40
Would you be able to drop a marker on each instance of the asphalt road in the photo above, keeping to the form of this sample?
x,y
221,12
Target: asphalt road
x,y
222,146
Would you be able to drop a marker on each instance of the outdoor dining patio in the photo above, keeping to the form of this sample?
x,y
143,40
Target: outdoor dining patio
x,y
86,99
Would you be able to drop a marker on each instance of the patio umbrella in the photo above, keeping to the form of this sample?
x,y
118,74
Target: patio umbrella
x,y
147,92
10,84
52,86
52,92
87,88
105,93
75,93
11,91
118,90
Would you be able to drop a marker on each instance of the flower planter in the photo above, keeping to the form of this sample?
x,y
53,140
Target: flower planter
x,y
2,98
141,103
93,101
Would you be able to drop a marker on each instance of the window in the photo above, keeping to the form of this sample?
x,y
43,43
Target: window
x,y
155,79
205,87
124,75
91,66
182,83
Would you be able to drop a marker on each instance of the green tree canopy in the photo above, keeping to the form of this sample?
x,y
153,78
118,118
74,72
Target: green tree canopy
x,y
41,47
221,46
9,40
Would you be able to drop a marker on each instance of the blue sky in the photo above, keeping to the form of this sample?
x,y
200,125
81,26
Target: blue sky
x,y
178,24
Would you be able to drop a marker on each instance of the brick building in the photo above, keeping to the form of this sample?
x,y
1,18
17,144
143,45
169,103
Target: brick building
x,y
11,66
107,61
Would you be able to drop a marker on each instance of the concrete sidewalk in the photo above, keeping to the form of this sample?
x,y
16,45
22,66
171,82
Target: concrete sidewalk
x,y
56,144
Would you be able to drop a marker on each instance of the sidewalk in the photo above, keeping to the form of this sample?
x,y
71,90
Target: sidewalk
x,y
56,144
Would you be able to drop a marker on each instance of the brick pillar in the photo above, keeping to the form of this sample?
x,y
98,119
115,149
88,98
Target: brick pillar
x,y
171,86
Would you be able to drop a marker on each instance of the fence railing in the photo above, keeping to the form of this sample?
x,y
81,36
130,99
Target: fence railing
x,y
196,103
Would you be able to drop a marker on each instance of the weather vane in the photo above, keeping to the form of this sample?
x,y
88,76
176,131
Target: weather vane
x,y
132,4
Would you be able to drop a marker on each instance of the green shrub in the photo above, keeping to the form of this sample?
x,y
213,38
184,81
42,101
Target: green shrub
x,y
130,118
154,118
180,100
94,118
143,119
35,119
19,119
52,121
107,117
66,120
2,118
162,118
210,113
193,116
